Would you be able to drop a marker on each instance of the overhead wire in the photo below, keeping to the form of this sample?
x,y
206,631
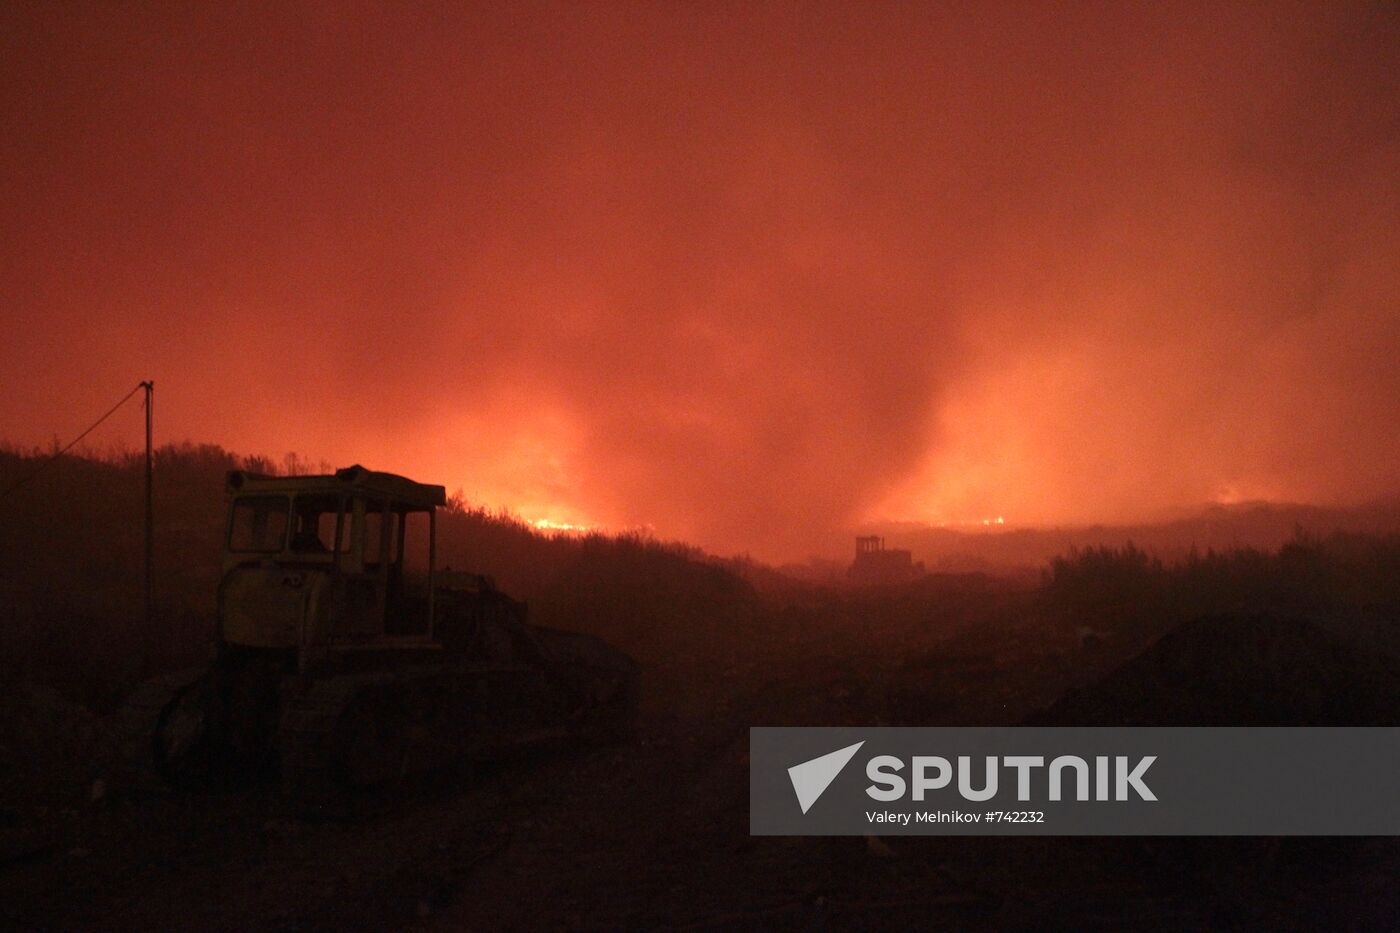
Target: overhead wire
x,y
71,444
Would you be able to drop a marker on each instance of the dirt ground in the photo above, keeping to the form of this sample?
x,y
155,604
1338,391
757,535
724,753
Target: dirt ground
x,y
654,833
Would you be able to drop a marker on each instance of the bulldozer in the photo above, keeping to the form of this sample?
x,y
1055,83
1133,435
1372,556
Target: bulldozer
x,y
344,657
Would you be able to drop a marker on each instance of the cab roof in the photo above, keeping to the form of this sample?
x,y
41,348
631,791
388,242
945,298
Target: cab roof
x,y
350,480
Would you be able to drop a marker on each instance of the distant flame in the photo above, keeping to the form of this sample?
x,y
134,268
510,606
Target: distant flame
x,y
972,522
548,524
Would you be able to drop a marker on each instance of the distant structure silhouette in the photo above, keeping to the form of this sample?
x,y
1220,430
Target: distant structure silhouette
x,y
876,564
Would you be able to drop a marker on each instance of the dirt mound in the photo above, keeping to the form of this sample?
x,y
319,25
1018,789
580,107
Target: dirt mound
x,y
51,749
1241,670
53,757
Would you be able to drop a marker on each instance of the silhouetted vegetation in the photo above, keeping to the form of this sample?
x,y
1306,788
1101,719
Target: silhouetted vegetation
x,y
71,570
71,612
1262,526
1341,573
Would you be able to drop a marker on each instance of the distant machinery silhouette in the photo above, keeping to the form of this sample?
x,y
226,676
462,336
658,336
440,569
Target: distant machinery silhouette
x,y
876,564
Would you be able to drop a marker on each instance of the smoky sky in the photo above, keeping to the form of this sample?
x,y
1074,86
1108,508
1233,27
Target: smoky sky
x,y
745,274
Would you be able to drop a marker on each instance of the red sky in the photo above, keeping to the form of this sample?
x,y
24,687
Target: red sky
x,y
746,273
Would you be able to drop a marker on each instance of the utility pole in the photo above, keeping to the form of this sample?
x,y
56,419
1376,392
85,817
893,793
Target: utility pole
x,y
150,388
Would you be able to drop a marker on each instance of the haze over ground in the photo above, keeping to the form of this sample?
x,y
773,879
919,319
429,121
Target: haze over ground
x,y
746,275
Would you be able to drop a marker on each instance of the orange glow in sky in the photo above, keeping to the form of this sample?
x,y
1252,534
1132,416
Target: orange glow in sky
x,y
749,274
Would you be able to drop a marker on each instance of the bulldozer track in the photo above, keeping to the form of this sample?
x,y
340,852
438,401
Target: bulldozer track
x,y
306,733
136,722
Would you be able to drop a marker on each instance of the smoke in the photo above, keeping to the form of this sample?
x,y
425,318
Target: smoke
x,y
745,276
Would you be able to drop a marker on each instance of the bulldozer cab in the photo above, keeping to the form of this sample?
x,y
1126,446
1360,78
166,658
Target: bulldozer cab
x,y
320,563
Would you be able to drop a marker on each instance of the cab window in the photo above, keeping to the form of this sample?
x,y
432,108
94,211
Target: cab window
x,y
259,524
313,530
374,533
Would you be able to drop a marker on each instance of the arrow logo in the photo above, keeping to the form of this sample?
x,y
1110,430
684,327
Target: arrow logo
x,y
811,778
